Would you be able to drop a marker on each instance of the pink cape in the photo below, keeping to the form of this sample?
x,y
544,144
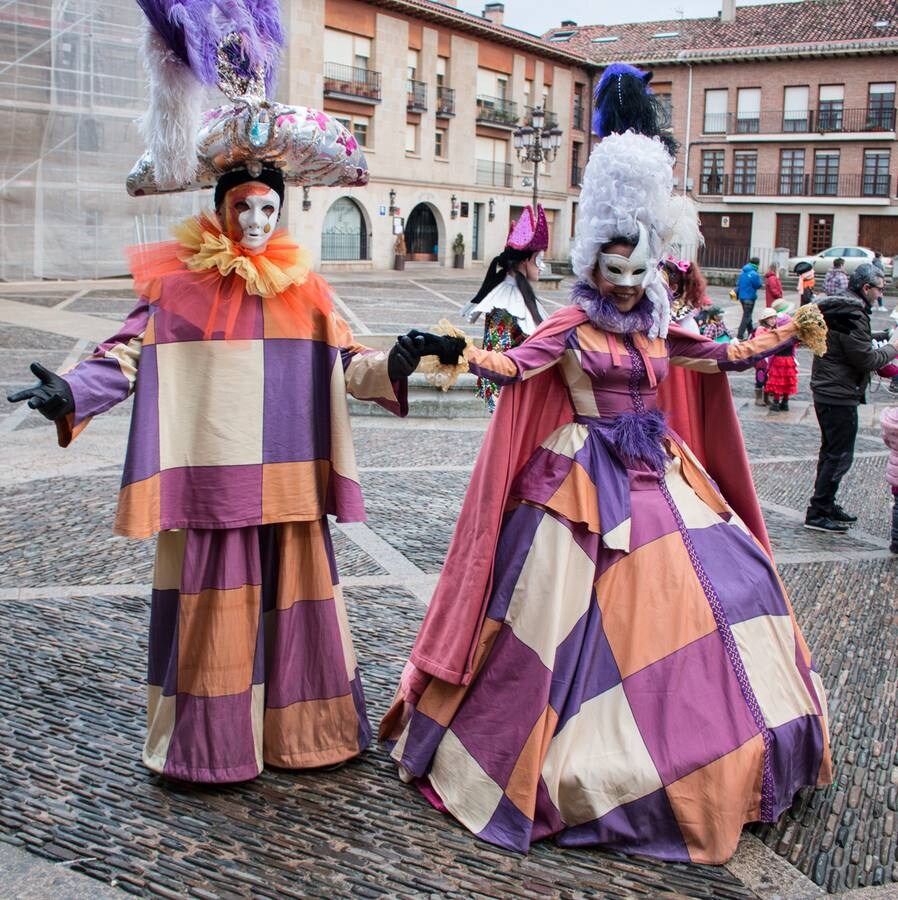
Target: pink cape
x,y
529,411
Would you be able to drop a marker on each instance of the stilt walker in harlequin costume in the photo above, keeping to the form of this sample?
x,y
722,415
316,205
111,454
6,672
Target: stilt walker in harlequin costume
x,y
240,445
510,309
609,656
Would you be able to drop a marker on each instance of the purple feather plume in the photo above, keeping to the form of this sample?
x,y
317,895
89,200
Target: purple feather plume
x,y
192,29
639,436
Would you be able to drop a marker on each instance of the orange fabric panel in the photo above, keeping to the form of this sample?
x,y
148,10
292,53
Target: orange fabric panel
x,y
351,16
217,640
590,338
303,566
138,513
710,828
294,490
311,733
577,499
524,778
698,481
635,598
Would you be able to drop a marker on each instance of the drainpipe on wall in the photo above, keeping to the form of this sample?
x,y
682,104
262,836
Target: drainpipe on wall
x,y
688,130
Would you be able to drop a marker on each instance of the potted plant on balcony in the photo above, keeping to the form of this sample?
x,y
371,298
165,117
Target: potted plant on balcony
x,y
458,251
399,253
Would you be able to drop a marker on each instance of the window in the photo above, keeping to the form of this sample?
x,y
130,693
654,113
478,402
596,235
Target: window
x,y
442,71
439,143
795,109
501,88
881,106
492,168
576,171
830,107
411,137
662,93
791,172
715,112
712,172
826,173
748,110
528,90
876,173
358,126
412,64
561,36
346,49
578,106
745,171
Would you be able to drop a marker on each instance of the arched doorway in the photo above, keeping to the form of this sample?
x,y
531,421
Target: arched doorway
x,y
422,236
345,234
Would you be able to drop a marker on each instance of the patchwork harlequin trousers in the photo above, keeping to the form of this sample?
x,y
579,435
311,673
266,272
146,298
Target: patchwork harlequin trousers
x,y
251,660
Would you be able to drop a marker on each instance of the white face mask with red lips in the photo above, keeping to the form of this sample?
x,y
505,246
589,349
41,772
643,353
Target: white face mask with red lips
x,y
250,212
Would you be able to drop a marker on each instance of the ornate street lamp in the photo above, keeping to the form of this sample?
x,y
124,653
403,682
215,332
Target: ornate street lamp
x,y
453,207
306,202
534,144
492,209
392,202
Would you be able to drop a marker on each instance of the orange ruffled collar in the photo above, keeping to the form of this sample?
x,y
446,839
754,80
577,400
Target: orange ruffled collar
x,y
280,265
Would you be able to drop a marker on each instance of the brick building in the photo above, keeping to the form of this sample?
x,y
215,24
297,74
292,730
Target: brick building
x,y
786,118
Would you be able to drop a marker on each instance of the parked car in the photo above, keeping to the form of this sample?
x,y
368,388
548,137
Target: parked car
x,y
853,257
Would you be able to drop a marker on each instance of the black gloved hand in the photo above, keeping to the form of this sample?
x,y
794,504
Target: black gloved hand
x,y
51,396
403,359
448,349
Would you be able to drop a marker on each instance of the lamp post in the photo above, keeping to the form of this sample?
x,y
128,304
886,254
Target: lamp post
x,y
534,144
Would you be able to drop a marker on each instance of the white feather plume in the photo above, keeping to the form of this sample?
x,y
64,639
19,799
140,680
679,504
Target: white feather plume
x,y
629,179
170,124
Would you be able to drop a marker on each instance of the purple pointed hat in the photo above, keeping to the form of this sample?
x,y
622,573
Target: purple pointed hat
x,y
529,232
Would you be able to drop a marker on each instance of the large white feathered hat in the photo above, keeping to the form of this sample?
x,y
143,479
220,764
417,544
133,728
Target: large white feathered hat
x,y
628,182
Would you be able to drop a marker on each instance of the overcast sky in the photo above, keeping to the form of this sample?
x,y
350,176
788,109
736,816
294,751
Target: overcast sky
x,y
538,16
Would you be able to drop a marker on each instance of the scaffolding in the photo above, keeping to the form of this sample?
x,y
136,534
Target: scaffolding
x,y
71,88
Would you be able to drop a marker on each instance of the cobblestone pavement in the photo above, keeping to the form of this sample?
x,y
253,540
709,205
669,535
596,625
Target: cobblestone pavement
x,y
73,613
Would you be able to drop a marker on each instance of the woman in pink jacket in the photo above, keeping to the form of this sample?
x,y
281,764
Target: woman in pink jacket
x,y
889,422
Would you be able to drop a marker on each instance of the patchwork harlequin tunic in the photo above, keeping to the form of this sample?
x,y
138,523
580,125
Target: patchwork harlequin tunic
x,y
634,676
238,451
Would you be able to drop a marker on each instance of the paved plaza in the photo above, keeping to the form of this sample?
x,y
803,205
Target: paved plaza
x,y
80,816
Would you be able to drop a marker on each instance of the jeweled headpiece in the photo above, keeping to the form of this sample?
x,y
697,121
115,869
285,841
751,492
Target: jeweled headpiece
x,y
234,44
530,232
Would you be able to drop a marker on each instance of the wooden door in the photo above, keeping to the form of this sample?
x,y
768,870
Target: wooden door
x,y
879,233
727,240
787,231
820,233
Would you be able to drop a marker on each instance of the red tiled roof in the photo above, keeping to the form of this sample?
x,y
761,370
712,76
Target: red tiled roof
x,y
774,29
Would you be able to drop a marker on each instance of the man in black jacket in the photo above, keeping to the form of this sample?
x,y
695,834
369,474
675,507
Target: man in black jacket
x,y
839,382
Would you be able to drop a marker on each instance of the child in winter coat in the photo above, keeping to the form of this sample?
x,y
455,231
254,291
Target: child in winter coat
x,y
889,422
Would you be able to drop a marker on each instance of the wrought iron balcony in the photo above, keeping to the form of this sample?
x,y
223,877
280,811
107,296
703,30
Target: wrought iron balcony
x,y
417,95
445,102
497,111
351,81
810,121
493,174
550,119
579,117
786,184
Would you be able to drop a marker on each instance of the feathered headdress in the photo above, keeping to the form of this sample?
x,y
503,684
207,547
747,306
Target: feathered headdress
x,y
629,180
236,45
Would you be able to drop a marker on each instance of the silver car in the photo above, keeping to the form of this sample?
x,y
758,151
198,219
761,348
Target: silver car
x,y
853,257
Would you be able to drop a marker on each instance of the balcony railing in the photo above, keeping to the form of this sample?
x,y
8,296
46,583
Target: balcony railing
x,y
578,118
783,184
445,101
351,81
576,176
493,174
811,121
550,119
497,111
417,95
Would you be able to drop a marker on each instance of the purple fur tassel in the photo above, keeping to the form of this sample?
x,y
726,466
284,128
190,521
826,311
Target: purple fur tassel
x,y
605,315
638,436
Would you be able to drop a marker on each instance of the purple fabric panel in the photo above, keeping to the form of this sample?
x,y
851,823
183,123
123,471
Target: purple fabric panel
x,y
329,550
646,826
297,411
344,499
305,654
508,827
689,708
220,559
609,475
259,657
506,700
97,384
181,292
796,755
142,458
650,516
541,476
358,701
584,666
424,736
546,820
162,644
739,365
696,348
532,354
740,572
269,562
515,541
399,406
211,496
212,740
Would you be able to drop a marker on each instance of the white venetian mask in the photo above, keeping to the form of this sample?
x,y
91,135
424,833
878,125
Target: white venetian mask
x,y
627,271
250,214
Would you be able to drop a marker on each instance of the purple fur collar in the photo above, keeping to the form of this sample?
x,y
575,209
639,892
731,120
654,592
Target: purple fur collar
x,y
605,315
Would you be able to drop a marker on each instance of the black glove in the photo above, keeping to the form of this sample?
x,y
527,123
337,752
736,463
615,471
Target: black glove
x,y
51,396
403,359
448,349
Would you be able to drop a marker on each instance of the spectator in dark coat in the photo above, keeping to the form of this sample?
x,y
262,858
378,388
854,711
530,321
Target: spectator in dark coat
x,y
839,382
